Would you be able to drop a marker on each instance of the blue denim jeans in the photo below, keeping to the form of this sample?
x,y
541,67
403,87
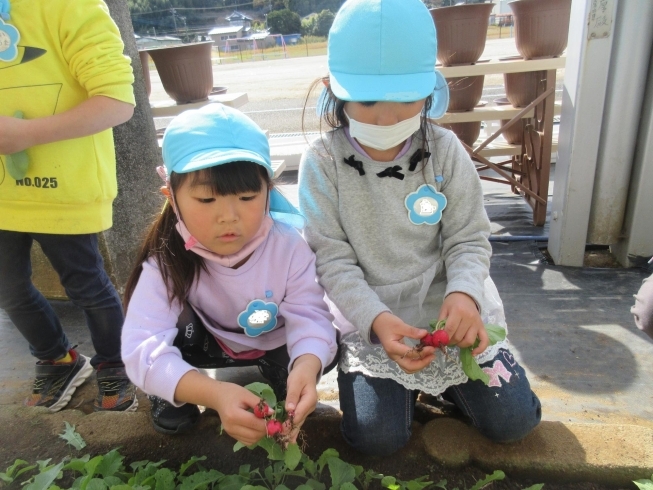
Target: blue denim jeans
x,y
78,262
377,413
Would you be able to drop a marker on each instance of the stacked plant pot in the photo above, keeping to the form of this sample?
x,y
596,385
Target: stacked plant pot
x,y
541,29
461,32
186,70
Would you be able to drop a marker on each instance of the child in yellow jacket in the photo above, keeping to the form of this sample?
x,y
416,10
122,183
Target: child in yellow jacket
x,y
64,84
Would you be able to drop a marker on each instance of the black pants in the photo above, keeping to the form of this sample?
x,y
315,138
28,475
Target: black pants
x,y
200,349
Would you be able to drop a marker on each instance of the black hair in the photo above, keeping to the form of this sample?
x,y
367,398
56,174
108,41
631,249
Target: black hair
x,y
180,267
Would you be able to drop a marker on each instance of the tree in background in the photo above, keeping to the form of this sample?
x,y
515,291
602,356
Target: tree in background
x,y
308,25
301,7
323,22
284,22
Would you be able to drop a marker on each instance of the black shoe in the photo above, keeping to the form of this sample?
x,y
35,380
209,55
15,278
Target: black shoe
x,y
115,392
168,419
55,383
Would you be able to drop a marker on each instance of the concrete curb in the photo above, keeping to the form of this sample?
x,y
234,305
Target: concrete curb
x,y
554,451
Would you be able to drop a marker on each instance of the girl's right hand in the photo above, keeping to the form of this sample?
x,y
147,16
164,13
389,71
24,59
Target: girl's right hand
x,y
391,331
235,406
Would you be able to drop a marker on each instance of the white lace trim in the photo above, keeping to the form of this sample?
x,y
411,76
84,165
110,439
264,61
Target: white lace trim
x,y
359,356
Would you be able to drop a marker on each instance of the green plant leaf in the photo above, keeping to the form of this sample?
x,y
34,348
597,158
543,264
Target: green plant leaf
x,y
73,438
203,478
96,484
275,453
324,457
537,486
255,487
314,485
437,324
644,484
112,481
111,464
165,479
340,471
417,484
388,480
442,484
77,464
497,475
348,486
496,333
189,463
263,391
292,456
281,487
471,367
14,472
232,482
43,480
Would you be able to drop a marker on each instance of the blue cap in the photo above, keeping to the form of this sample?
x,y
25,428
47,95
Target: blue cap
x,y
217,134
385,50
213,135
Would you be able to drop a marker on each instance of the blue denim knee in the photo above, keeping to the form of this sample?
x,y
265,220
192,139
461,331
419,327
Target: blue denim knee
x,y
377,413
506,410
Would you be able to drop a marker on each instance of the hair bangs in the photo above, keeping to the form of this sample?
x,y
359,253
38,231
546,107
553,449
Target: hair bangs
x,y
227,179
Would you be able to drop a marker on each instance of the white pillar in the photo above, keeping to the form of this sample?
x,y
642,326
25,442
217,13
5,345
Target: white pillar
x,y
584,92
637,245
621,119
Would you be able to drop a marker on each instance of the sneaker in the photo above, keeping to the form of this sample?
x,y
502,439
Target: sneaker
x,y
115,392
168,419
55,383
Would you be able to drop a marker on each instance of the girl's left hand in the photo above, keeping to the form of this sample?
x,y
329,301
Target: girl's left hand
x,y
464,322
302,391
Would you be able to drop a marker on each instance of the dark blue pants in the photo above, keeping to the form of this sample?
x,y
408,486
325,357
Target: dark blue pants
x,y
78,262
377,413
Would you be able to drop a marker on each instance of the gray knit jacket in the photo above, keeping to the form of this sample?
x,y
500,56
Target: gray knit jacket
x,y
358,224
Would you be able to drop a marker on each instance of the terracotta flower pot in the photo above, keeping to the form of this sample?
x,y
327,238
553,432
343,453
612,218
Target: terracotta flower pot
x,y
467,132
185,70
145,63
464,92
522,88
461,32
514,133
541,27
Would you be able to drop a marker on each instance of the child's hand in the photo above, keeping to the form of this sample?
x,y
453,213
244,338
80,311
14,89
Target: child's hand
x,y
13,135
464,322
233,403
391,331
302,392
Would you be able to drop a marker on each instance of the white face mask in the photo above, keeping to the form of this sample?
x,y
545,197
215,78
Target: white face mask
x,y
383,137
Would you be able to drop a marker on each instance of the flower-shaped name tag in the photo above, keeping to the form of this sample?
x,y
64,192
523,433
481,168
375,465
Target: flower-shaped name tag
x,y
425,205
9,37
258,318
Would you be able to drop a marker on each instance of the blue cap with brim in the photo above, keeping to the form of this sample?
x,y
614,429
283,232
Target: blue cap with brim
x,y
217,134
385,50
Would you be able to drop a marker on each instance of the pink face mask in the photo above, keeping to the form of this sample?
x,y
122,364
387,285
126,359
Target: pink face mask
x,y
191,243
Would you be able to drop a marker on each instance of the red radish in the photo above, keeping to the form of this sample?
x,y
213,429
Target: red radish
x,y
428,340
274,427
440,338
262,410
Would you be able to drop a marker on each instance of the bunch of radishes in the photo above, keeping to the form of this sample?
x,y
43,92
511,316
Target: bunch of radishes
x,y
438,338
279,423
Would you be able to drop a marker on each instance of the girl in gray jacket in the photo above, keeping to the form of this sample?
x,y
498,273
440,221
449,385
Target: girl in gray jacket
x,y
395,216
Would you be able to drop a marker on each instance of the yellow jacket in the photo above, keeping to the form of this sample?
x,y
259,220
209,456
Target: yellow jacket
x,y
68,52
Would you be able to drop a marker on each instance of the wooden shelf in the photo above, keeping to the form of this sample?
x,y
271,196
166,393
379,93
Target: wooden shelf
x,y
503,149
499,66
488,113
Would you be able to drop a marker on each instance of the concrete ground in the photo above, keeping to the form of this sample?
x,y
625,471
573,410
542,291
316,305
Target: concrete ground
x,y
570,328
